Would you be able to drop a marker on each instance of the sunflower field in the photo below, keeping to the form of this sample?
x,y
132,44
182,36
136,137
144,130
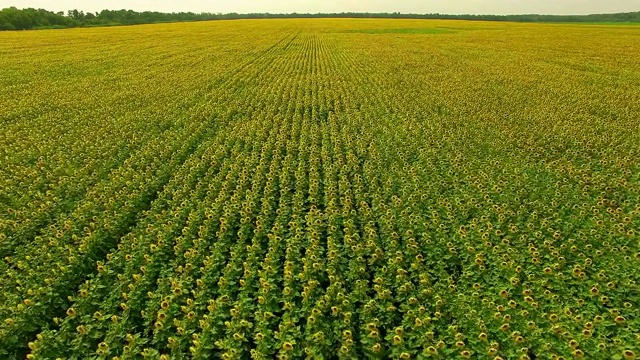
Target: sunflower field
x,y
320,189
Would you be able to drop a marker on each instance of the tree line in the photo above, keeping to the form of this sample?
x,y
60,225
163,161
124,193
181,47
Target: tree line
x,y
13,18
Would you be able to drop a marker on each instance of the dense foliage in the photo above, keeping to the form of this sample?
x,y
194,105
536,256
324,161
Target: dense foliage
x,y
24,19
320,188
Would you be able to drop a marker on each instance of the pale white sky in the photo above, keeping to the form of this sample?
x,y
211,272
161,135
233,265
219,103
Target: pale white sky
x,y
313,6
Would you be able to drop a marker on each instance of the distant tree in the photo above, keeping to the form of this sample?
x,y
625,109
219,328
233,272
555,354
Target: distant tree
x,y
21,19
6,26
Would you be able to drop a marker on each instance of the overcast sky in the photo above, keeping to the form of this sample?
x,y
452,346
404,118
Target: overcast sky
x,y
313,6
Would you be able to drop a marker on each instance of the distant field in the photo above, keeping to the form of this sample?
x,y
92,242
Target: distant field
x,y
320,188
601,23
